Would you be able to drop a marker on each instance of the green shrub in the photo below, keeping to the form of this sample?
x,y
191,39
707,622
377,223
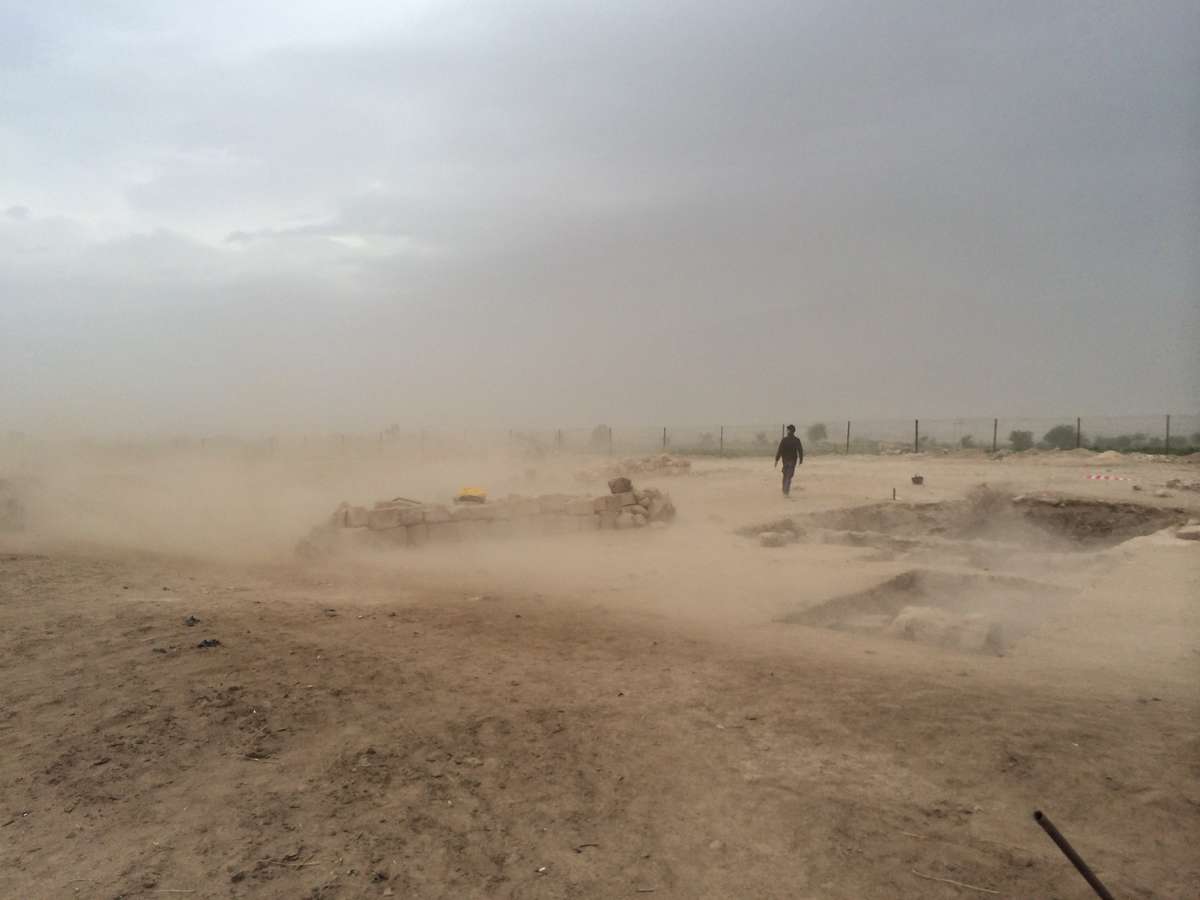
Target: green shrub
x,y
1020,440
1060,437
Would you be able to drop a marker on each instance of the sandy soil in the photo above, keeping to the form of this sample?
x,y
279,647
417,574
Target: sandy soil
x,y
598,715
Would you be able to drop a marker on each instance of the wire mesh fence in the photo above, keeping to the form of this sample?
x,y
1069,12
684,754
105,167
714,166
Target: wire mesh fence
x,y
1175,434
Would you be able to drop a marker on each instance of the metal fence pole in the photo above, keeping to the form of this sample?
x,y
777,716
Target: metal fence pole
x,y
916,435
1078,432
721,451
847,437
1167,445
995,426
664,437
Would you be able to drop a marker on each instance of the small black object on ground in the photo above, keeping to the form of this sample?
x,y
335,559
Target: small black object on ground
x,y
208,642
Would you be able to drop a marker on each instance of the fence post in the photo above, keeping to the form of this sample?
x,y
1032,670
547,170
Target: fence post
x,y
1167,445
847,437
664,437
558,439
721,451
782,431
995,425
916,435
1078,432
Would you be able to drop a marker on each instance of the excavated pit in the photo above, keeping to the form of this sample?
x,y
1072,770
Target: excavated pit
x,y
969,613
1038,522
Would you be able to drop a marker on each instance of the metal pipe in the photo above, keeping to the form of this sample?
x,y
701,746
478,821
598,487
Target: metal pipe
x,y
1076,860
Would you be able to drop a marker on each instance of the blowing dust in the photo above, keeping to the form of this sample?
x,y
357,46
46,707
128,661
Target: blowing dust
x,y
992,563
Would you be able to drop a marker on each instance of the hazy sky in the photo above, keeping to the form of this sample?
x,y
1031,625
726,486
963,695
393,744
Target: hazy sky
x,y
231,214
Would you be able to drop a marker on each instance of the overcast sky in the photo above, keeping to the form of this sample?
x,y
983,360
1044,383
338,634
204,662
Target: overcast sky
x,y
306,214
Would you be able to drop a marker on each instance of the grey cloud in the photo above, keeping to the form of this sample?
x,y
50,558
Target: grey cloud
x,y
689,208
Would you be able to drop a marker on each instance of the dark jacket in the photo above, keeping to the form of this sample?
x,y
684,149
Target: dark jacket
x,y
791,451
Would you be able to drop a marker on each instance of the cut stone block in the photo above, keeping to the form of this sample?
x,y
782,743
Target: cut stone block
x,y
411,515
626,498
580,507
384,517
553,503
620,486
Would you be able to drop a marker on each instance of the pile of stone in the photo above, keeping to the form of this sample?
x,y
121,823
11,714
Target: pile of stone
x,y
625,507
408,523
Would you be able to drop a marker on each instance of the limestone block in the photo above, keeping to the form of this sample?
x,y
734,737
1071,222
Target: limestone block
x,y
579,507
383,517
626,498
412,515
620,486
473,512
553,503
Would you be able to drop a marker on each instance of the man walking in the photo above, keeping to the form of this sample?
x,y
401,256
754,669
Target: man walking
x,y
791,451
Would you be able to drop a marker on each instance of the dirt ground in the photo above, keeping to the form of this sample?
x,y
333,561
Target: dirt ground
x,y
612,714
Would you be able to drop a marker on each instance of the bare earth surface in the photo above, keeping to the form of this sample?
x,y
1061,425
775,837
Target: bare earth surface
x,y
615,714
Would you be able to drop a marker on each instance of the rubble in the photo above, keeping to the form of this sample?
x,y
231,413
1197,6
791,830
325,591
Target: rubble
x,y
1181,485
407,523
1188,533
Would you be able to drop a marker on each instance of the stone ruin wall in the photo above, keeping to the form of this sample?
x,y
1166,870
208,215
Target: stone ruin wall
x,y
407,523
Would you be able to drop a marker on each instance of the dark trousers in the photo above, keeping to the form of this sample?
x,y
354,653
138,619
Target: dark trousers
x,y
789,469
